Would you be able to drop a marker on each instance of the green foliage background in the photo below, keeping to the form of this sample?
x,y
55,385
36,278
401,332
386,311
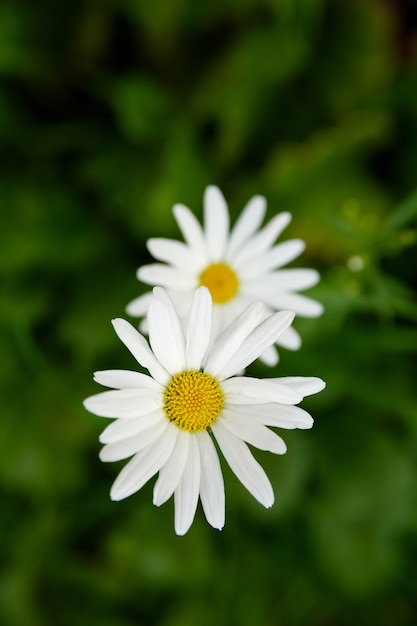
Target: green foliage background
x,y
110,112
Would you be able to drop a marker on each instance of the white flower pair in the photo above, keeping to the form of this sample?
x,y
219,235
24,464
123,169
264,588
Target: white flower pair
x,y
204,328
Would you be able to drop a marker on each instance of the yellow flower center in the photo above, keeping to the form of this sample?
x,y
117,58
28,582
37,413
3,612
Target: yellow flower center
x,y
193,401
221,281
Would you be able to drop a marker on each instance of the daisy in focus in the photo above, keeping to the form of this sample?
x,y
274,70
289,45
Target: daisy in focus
x,y
166,420
238,266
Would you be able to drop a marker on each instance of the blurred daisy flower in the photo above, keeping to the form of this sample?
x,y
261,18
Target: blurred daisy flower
x,y
238,266
166,420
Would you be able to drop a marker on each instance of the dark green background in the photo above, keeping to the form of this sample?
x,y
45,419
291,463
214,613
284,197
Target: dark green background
x,y
110,112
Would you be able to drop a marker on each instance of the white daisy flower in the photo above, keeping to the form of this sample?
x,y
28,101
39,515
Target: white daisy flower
x,y
238,266
167,420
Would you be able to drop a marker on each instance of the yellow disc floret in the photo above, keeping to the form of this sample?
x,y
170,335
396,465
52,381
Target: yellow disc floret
x,y
193,401
221,281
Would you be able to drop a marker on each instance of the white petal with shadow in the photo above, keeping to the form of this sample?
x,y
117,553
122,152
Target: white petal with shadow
x,y
166,336
232,338
277,256
175,253
126,379
144,465
211,482
191,229
265,389
247,223
171,472
216,222
263,336
122,428
263,239
138,346
123,449
186,494
139,306
251,431
270,356
290,339
304,385
278,415
166,276
243,464
123,403
198,329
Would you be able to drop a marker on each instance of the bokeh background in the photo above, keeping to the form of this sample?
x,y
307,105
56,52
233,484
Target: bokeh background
x,y
110,112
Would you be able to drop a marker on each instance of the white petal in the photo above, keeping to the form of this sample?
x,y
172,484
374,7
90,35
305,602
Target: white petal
x,y
123,449
170,473
166,336
122,428
290,339
284,280
278,299
138,346
186,494
253,432
259,340
278,415
264,239
216,222
211,482
248,222
232,309
166,276
123,403
175,253
126,379
232,338
305,385
144,465
191,229
139,306
278,256
243,464
266,389
198,329
270,356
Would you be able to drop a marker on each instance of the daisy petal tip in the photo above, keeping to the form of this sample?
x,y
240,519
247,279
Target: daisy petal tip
x,y
282,449
102,456
139,273
156,291
318,385
218,527
179,209
119,322
180,531
151,244
287,315
204,293
268,502
97,375
211,190
118,492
